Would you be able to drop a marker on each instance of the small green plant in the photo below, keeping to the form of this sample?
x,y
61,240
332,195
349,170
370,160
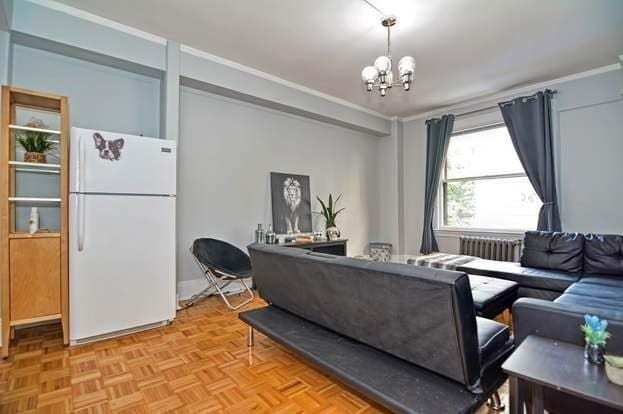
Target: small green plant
x,y
329,211
594,330
34,141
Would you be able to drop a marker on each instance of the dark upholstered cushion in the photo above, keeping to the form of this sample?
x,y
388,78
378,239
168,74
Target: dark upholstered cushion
x,y
422,315
603,253
552,250
492,295
597,291
571,300
526,276
605,280
492,336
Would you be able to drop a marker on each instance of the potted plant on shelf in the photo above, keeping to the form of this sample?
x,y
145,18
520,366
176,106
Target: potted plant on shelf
x,y
35,143
330,212
595,335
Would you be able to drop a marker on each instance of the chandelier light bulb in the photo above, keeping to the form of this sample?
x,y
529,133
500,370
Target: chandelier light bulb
x,y
383,64
369,74
406,66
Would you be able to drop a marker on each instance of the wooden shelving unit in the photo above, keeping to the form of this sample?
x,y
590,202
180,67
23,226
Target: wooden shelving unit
x,y
33,267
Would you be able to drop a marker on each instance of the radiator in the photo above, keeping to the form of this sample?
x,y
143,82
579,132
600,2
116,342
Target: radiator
x,y
493,249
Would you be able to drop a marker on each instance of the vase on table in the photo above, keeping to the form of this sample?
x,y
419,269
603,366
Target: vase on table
x,y
333,233
594,353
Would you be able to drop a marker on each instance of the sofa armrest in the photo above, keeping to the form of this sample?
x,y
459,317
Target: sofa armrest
x,y
561,322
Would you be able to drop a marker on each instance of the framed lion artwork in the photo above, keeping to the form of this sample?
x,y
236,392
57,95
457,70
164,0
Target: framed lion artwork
x,y
291,202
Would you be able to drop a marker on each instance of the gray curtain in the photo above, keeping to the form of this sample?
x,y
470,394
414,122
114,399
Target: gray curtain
x,y
529,122
438,131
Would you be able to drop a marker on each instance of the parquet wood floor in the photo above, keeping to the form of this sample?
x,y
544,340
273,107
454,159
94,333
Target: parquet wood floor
x,y
198,364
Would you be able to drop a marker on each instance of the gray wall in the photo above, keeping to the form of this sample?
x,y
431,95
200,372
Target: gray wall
x,y
588,118
227,150
4,56
100,97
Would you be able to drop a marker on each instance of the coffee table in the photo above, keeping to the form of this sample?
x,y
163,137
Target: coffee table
x,y
542,362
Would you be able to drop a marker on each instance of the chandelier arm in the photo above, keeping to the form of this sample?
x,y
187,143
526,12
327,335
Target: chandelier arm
x,y
375,8
389,43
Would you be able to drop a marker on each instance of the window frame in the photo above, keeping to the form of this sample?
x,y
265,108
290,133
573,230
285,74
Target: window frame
x,y
442,214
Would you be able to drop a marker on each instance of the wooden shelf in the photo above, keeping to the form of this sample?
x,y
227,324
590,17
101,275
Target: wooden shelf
x,y
34,276
36,320
34,164
26,128
35,199
38,235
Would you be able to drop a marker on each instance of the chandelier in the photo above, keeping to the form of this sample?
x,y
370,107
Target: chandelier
x,y
380,75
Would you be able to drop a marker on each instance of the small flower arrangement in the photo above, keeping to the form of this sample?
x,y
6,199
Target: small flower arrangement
x,y
594,330
595,335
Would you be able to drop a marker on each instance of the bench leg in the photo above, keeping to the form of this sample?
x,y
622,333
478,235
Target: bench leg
x,y
495,403
250,337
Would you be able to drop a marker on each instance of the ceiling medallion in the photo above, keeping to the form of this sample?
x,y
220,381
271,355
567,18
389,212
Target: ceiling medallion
x,y
380,75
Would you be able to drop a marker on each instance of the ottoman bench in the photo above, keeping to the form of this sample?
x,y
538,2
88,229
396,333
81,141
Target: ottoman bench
x,y
492,296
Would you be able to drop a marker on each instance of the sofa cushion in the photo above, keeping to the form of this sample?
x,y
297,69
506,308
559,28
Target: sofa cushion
x,y
526,276
492,337
603,253
604,280
553,250
612,306
597,291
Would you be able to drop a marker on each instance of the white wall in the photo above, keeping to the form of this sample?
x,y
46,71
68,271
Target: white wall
x,y
588,122
227,150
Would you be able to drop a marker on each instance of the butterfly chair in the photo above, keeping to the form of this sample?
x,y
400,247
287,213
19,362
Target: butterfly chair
x,y
221,264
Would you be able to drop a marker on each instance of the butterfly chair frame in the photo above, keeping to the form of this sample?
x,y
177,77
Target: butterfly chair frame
x,y
217,281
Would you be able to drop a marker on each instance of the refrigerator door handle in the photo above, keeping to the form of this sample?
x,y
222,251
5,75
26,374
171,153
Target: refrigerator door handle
x,y
80,166
81,222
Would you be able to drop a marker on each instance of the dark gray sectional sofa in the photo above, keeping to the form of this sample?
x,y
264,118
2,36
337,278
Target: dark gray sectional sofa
x,y
405,336
579,274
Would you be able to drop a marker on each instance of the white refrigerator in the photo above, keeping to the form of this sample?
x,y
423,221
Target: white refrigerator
x,y
122,233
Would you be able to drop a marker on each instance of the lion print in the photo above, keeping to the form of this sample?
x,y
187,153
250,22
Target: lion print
x,y
292,197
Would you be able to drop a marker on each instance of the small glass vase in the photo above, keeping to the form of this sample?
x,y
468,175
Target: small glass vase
x,y
594,353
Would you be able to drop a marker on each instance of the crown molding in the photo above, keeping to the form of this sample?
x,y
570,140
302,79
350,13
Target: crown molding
x,y
486,99
93,18
264,75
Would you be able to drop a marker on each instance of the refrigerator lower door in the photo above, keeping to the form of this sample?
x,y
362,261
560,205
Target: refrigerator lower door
x,y
122,263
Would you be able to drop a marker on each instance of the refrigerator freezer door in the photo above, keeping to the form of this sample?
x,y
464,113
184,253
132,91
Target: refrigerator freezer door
x,y
106,162
122,263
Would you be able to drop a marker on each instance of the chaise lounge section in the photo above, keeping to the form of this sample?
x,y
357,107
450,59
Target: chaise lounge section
x,y
405,336
579,274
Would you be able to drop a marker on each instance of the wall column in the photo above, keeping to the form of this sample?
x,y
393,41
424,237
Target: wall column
x,y
170,118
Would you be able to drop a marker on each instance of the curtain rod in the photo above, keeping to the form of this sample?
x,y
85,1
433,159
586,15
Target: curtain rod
x,y
489,108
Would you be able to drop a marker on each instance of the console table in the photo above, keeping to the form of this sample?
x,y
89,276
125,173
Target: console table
x,y
542,362
336,247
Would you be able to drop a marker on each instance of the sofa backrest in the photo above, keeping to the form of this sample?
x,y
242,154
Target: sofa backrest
x,y
603,254
600,254
553,250
425,316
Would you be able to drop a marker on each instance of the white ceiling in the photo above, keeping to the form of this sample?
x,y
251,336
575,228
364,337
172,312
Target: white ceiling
x,y
463,48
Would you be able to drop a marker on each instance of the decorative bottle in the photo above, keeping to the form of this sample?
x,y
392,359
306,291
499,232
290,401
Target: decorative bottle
x,y
33,222
259,234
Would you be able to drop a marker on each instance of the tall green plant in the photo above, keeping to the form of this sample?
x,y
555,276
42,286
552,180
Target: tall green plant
x,y
34,141
329,211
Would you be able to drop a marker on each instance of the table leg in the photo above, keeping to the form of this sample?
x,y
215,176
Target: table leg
x,y
515,395
537,399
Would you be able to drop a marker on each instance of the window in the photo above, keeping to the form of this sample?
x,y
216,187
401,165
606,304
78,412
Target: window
x,y
484,185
